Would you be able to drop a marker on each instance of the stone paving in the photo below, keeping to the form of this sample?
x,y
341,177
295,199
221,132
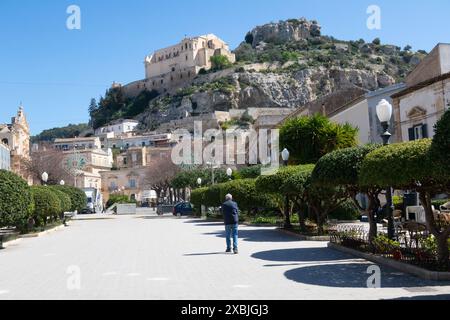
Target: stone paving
x,y
148,257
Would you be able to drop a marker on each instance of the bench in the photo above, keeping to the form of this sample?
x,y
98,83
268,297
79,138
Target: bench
x,y
5,233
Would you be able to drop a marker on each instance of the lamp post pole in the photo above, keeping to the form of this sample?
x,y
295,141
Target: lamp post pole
x,y
287,222
384,113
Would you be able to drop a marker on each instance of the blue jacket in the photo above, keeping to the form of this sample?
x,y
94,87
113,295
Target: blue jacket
x,y
230,212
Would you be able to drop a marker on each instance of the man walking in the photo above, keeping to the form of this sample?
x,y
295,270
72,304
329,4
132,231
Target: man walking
x,y
230,213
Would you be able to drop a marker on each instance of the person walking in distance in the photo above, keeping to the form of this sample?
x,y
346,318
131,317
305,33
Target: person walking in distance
x,y
230,213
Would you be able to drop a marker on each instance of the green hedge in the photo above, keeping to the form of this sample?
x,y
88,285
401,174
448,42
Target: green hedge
x,y
441,142
46,203
77,197
118,198
64,199
403,166
16,200
341,167
243,191
345,212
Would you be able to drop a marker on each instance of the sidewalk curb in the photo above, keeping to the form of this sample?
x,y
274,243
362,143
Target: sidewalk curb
x,y
303,237
400,266
42,233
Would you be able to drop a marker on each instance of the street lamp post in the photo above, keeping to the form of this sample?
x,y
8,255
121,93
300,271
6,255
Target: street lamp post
x,y
229,173
384,113
44,178
287,223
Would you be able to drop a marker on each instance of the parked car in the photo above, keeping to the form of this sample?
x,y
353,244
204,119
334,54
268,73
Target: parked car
x,y
183,209
87,211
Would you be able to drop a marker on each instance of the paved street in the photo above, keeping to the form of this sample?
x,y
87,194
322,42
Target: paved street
x,y
166,258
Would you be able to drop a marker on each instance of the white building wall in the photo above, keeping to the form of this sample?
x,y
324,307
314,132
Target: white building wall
x,y
5,158
358,116
431,99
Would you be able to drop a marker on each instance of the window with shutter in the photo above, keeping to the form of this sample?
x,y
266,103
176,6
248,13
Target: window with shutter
x,y
425,131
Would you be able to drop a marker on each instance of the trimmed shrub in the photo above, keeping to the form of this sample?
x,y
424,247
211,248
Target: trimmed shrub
x,y
16,200
198,197
77,197
441,142
46,203
403,166
66,203
345,212
341,167
118,198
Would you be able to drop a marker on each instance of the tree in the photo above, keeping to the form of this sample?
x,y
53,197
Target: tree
x,y
287,181
441,142
16,200
310,138
159,175
49,160
376,41
410,166
341,168
220,62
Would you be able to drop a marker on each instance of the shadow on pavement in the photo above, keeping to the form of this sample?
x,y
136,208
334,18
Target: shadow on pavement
x,y
354,275
442,297
258,235
204,254
301,255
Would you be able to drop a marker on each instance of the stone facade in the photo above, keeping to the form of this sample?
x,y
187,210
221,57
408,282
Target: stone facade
x,y
17,137
176,66
426,97
5,157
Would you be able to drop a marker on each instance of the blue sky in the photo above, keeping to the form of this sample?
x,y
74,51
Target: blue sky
x,y
55,71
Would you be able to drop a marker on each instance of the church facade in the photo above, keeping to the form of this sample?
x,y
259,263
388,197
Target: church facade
x,y
16,137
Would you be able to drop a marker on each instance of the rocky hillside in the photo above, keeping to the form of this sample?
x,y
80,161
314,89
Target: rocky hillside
x,y
284,64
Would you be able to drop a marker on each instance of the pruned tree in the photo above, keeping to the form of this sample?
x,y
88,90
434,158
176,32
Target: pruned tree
x,y
410,166
341,168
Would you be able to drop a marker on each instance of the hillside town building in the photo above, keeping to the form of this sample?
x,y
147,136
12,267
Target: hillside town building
x,y
426,97
175,66
118,127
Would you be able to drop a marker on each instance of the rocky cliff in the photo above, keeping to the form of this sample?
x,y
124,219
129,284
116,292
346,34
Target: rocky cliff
x,y
284,64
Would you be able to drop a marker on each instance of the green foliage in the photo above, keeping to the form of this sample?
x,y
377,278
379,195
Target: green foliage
x,y
198,198
244,193
64,199
118,198
430,245
376,41
341,167
115,106
77,197
382,244
70,131
441,142
346,211
310,138
16,200
220,62
403,166
46,202
188,178
251,172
